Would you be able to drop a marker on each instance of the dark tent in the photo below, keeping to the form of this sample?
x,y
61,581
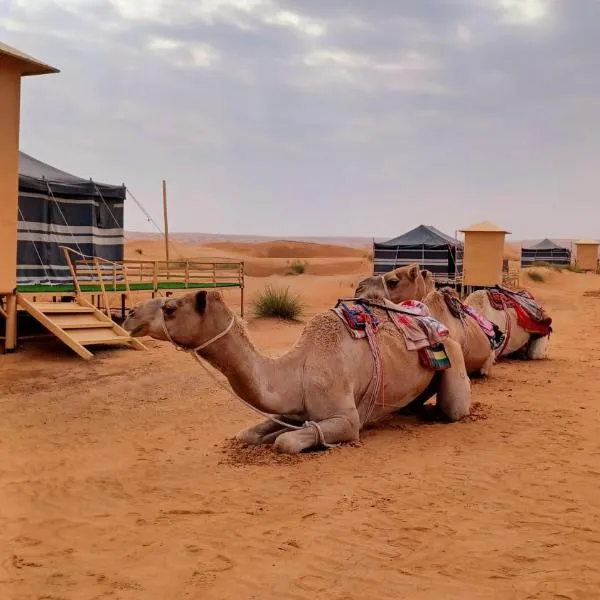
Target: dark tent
x,y
545,251
424,245
59,209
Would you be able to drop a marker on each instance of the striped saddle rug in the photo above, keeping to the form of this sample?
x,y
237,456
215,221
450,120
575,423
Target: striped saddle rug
x,y
421,332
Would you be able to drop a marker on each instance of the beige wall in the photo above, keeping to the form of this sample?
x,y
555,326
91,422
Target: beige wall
x,y
10,92
483,256
587,257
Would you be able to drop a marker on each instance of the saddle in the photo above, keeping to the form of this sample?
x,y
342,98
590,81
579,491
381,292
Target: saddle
x,y
460,310
420,331
531,315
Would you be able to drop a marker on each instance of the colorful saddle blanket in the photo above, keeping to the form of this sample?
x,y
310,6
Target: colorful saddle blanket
x,y
421,332
459,310
531,315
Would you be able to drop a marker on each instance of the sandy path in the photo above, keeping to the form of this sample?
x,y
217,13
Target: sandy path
x,y
116,481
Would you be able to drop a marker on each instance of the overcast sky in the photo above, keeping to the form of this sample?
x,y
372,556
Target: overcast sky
x,y
323,117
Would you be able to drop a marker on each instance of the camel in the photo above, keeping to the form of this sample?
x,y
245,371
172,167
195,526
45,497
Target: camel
x,y
410,283
519,341
320,390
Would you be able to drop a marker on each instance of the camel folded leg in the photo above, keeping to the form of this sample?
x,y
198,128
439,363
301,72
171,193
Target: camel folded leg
x,y
486,370
263,433
454,391
538,348
333,431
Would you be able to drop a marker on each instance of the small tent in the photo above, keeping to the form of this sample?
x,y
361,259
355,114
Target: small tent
x,y
424,245
545,251
59,209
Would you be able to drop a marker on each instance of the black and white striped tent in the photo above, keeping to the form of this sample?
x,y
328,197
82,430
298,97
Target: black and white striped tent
x,y
545,251
59,209
424,245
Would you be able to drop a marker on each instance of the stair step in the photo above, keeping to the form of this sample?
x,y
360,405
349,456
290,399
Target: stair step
x,y
80,321
95,335
61,307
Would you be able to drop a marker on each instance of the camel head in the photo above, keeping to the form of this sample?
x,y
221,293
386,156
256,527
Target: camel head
x,y
190,320
404,283
144,317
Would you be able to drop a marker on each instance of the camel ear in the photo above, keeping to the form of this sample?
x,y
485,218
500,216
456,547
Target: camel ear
x,y
200,304
424,273
413,272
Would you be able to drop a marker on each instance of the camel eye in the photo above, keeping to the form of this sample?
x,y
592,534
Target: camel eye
x,y
132,312
169,309
392,283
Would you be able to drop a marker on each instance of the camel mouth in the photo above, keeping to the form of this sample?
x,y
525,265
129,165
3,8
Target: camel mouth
x,y
135,332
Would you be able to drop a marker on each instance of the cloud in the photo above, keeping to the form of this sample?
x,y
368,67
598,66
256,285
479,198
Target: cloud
x,y
182,54
308,117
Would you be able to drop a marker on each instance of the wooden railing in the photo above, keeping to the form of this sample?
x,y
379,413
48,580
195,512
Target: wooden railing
x,y
511,278
125,276
185,271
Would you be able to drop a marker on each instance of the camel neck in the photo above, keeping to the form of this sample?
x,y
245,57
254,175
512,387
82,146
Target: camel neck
x,y
263,382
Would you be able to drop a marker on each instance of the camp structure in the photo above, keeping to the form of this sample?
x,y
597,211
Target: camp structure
x,y
70,246
483,255
425,245
586,257
545,251
14,65
56,210
61,238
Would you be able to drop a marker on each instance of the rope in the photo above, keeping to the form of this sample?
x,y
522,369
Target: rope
x,y
377,371
194,351
61,214
508,329
151,220
119,225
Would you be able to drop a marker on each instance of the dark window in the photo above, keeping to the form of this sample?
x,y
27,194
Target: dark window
x,y
104,218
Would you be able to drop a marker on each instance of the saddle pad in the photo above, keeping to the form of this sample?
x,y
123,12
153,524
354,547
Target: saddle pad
x,y
434,358
531,315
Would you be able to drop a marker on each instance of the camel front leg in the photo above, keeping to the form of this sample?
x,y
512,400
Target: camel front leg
x,y
454,391
263,433
331,431
538,348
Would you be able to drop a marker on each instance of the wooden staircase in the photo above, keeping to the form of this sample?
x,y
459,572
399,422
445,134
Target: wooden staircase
x,y
78,324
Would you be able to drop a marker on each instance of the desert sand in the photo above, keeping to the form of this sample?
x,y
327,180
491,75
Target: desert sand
x,y
119,479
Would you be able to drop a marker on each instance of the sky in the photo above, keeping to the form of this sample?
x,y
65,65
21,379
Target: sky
x,y
322,117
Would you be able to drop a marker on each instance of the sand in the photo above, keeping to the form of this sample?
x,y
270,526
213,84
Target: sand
x,y
119,479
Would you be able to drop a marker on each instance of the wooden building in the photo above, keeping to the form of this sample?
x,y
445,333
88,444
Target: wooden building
x,y
483,254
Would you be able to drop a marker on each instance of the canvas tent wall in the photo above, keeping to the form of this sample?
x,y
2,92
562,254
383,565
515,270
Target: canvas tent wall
x,y
59,209
545,251
424,245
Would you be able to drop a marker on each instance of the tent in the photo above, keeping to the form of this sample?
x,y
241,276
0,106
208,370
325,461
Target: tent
x,y
545,251
424,245
59,209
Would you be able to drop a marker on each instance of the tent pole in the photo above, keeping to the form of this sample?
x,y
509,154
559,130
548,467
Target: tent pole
x,y
11,323
166,218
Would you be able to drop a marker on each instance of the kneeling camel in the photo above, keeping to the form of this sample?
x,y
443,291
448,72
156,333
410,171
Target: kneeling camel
x,y
319,391
410,283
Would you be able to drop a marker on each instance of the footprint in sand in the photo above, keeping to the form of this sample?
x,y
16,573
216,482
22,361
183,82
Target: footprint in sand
x,y
206,571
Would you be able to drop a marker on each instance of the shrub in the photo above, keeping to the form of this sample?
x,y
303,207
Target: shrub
x,y
298,267
139,251
535,276
573,268
279,303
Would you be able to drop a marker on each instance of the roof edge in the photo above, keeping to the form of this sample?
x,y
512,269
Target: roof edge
x,y
28,64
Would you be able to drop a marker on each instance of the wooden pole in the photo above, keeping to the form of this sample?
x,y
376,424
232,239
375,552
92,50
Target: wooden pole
x,y
11,323
166,219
